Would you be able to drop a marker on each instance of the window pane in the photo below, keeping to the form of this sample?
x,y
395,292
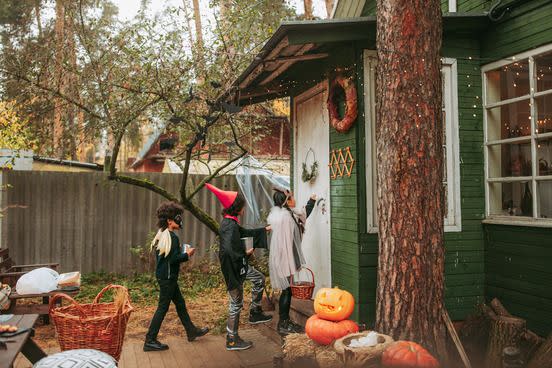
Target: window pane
x,y
513,159
545,199
543,65
509,121
511,199
507,82
544,114
544,155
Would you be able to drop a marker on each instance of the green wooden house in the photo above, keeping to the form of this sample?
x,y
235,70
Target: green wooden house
x,y
497,103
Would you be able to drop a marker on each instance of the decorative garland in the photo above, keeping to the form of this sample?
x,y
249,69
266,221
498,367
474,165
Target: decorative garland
x,y
309,175
351,105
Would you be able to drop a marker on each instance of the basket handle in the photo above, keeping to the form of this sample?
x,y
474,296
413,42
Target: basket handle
x,y
306,268
57,296
109,287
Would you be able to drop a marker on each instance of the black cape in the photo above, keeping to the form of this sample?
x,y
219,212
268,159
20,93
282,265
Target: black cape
x,y
233,260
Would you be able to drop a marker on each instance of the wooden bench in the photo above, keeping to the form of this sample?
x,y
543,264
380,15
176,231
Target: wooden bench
x,y
10,273
22,343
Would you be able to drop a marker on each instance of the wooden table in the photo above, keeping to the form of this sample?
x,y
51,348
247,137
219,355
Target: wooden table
x,y
21,343
41,309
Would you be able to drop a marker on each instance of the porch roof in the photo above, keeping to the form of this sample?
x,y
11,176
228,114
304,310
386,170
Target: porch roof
x,y
300,42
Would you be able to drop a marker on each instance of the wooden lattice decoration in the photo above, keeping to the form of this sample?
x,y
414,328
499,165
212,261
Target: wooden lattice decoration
x,y
341,163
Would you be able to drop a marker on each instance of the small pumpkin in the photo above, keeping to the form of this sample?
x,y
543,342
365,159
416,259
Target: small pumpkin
x,y
326,332
408,354
334,304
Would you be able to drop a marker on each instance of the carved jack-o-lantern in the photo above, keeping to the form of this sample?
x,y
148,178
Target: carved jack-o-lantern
x,y
325,332
333,304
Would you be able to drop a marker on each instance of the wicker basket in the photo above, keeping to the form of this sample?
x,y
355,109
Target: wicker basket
x,y
96,326
302,289
368,356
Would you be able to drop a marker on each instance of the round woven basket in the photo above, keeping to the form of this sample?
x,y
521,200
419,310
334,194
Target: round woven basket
x,y
368,356
302,289
99,326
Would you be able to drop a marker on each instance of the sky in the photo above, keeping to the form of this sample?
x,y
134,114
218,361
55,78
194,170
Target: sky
x,y
129,8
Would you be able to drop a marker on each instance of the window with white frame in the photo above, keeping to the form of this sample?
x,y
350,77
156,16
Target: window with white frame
x,y
518,137
451,174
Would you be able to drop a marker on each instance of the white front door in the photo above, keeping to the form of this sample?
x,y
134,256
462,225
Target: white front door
x,y
312,142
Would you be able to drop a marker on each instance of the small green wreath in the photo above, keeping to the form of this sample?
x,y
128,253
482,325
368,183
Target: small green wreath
x,y
309,175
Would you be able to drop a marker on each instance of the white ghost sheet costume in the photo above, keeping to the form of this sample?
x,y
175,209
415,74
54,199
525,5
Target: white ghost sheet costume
x,y
286,256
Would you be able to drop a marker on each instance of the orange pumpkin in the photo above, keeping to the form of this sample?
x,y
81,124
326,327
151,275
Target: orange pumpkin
x,y
325,332
408,354
334,304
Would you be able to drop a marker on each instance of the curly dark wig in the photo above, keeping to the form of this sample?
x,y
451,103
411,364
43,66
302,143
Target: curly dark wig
x,y
236,207
166,211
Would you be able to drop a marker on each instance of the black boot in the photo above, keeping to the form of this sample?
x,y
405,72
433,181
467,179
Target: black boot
x,y
154,345
197,332
236,343
287,326
257,316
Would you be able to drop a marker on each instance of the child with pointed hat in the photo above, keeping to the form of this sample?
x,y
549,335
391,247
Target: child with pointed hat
x,y
235,268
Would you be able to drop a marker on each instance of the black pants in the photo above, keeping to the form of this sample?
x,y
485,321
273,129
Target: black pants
x,y
169,291
284,304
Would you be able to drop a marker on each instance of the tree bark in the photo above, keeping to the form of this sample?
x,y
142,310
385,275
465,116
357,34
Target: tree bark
x,y
505,331
38,20
543,356
308,9
410,302
329,7
59,79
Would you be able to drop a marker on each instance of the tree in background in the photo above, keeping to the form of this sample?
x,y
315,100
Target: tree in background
x,y
410,294
329,7
15,133
137,72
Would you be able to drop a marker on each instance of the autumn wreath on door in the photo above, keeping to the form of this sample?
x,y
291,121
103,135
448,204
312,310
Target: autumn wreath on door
x,y
341,85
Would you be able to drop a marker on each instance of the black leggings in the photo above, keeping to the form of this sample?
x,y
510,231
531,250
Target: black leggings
x,y
285,304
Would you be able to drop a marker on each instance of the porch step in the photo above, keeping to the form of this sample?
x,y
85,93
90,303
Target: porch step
x,y
300,311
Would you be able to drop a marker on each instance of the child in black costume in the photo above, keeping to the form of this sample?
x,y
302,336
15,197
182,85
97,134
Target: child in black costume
x,y
235,268
169,257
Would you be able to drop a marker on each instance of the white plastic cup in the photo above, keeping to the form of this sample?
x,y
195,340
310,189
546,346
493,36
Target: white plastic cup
x,y
248,243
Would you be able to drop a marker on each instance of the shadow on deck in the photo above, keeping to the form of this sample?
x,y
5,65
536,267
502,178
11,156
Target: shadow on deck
x,y
206,352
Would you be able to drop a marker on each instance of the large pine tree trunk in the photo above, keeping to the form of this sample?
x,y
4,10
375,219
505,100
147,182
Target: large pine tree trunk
x,y
410,173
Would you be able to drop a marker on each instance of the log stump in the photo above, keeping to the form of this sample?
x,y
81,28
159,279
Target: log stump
x,y
505,331
543,356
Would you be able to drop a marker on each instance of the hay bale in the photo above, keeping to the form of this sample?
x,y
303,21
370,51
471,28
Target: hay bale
x,y
299,347
327,357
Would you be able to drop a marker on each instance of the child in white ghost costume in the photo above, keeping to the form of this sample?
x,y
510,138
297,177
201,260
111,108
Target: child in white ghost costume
x,y
286,256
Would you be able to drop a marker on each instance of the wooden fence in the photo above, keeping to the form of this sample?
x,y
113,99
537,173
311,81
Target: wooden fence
x,y
87,223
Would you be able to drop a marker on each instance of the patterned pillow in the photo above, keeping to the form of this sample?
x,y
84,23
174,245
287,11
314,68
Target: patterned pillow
x,y
81,358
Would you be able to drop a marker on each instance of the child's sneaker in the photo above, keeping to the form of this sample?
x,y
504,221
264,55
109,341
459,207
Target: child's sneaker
x,y
287,326
257,316
236,343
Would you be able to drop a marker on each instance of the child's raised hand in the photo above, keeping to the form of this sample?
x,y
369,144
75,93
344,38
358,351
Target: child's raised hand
x,y
190,251
249,251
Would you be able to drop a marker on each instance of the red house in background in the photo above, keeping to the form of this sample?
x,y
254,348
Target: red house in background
x,y
267,141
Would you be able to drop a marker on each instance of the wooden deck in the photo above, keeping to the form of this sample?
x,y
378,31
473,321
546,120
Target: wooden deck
x,y
206,352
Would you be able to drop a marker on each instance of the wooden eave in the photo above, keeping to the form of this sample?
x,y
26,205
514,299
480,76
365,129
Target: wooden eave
x,y
307,41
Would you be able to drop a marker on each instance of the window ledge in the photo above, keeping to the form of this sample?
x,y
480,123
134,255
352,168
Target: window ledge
x,y
518,222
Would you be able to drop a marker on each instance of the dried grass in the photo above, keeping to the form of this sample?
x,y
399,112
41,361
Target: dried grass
x,y
299,347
